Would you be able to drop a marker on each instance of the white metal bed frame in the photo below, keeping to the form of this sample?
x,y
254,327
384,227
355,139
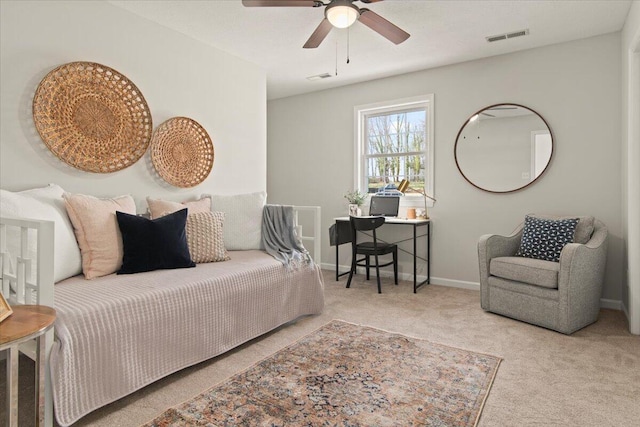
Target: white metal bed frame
x,y
18,287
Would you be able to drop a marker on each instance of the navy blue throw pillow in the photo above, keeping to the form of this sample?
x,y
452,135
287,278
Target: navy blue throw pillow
x,y
545,238
154,244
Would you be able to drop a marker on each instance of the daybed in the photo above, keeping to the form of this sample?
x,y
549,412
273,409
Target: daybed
x,y
119,333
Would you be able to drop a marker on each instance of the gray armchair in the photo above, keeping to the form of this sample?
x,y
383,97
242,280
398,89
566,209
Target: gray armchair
x,y
563,296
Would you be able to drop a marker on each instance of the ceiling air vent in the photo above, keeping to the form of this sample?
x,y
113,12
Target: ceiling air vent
x,y
496,38
518,34
507,35
319,76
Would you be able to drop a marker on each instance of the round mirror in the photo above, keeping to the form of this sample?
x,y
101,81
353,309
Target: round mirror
x,y
503,148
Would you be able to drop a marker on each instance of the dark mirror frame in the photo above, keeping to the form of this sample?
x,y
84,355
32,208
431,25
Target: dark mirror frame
x,y
455,148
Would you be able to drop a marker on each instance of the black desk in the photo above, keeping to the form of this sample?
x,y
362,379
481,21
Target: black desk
x,y
343,235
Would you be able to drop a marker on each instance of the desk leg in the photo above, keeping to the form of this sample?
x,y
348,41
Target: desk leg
x,y
415,268
13,355
337,265
429,252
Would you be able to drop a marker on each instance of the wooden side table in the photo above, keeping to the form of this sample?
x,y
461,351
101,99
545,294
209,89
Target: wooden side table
x,y
26,323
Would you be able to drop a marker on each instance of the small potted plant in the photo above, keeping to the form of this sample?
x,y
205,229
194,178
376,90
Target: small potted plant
x,y
356,199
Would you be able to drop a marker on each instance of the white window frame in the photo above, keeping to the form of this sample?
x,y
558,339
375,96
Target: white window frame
x,y
361,112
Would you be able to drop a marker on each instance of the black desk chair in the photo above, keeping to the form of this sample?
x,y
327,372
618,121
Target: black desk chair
x,y
368,249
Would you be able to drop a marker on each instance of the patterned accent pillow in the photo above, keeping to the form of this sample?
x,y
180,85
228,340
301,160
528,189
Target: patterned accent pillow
x,y
205,237
545,238
584,229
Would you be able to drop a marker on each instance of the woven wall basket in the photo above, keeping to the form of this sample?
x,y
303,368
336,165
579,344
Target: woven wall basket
x,y
92,117
182,152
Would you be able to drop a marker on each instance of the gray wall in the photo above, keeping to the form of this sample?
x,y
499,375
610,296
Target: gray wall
x,y
631,164
575,86
178,76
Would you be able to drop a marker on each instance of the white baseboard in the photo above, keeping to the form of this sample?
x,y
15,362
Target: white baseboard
x,y
612,304
475,286
387,272
625,311
408,276
332,267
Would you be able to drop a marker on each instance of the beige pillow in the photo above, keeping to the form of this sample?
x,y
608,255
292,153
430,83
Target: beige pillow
x,y
96,228
159,208
205,237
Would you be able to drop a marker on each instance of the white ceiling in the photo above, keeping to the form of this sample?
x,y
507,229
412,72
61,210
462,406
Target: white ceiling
x,y
442,32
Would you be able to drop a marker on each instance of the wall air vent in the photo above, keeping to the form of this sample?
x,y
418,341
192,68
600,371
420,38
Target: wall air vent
x,y
319,77
507,35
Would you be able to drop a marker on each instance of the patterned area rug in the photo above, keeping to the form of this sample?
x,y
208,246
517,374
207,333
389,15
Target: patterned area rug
x,y
348,375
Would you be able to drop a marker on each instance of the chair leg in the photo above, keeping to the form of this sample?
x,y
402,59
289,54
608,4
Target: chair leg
x,y
395,265
368,263
378,274
353,269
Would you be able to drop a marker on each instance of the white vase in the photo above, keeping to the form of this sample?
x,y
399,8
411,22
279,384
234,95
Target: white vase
x,y
354,210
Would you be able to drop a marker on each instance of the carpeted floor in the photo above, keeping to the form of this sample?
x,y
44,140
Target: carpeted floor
x,y
591,378
348,375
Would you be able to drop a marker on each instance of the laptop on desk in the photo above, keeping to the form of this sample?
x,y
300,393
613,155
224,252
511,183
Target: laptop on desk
x,y
384,206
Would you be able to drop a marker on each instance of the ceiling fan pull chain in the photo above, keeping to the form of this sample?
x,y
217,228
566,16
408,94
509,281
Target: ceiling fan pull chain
x,y
348,32
336,58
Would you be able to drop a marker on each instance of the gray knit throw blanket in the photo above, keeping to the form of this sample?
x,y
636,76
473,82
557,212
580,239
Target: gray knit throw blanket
x,y
279,236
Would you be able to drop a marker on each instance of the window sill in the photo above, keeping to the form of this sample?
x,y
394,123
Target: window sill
x,y
405,202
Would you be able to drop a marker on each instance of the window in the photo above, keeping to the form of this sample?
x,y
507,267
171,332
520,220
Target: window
x,y
394,141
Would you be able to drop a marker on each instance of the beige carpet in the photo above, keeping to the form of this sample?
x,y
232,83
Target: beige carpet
x,y
591,378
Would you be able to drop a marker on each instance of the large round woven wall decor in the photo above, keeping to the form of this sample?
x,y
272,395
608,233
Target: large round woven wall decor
x,y
182,152
92,117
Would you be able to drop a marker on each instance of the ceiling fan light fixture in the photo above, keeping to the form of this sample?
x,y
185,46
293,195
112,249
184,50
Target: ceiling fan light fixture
x,y
342,13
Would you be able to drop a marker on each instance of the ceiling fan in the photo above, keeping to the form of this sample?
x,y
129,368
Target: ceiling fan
x,y
339,14
475,117
497,109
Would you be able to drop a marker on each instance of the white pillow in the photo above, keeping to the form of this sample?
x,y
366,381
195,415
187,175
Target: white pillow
x,y
243,219
46,204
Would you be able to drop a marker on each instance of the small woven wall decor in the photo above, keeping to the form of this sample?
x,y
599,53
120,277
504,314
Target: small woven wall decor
x,y
182,152
92,117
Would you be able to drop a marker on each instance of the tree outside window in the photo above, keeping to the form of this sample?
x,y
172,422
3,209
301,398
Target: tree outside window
x,y
394,143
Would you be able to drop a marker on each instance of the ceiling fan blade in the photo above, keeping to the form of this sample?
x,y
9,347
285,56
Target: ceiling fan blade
x,y
319,34
383,27
279,3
